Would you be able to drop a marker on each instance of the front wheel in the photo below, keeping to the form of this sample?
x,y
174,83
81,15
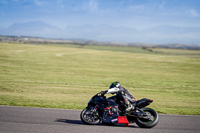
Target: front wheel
x,y
89,116
149,119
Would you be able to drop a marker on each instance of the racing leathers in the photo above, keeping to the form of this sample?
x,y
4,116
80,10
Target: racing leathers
x,y
124,95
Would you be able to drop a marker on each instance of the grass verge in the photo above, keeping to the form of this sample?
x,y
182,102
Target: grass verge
x,y
67,76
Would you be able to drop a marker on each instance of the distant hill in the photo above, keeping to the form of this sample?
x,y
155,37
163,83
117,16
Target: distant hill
x,y
35,28
39,40
164,34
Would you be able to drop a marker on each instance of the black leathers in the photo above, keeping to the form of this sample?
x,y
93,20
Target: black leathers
x,y
125,96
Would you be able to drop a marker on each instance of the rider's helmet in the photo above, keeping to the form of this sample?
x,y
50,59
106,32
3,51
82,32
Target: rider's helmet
x,y
115,84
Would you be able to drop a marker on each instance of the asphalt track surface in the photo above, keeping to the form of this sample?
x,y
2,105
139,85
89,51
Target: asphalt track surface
x,y
39,120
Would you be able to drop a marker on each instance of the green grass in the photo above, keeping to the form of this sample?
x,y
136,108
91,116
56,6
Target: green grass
x,y
67,76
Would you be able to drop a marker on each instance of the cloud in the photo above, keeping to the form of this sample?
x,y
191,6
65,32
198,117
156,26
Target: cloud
x,y
193,13
93,5
39,2
137,8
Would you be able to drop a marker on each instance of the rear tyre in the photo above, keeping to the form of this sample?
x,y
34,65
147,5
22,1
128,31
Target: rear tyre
x,y
151,121
89,117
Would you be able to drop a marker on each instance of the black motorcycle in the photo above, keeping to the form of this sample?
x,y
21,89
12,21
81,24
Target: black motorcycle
x,y
111,111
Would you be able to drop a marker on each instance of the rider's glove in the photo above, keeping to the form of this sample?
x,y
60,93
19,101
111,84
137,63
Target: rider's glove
x,y
103,92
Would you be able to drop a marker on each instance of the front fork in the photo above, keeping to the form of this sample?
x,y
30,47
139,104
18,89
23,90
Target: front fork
x,y
94,110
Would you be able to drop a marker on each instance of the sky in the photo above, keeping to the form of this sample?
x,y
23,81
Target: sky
x,y
136,14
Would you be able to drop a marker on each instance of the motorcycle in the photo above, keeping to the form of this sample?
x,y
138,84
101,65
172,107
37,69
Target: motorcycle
x,y
111,111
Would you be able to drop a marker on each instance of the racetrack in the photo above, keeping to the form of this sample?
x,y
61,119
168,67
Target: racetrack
x,y
39,120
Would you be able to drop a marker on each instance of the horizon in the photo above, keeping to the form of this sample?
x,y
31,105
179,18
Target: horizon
x,y
138,21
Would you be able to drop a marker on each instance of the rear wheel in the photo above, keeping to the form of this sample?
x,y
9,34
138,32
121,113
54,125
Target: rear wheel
x,y
88,116
149,119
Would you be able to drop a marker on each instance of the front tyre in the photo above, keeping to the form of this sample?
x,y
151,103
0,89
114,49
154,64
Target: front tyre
x,y
149,120
89,116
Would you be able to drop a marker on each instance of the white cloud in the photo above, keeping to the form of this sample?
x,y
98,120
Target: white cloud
x,y
39,2
137,8
93,5
193,13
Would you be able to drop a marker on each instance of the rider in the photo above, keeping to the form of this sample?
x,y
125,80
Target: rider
x,y
123,94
